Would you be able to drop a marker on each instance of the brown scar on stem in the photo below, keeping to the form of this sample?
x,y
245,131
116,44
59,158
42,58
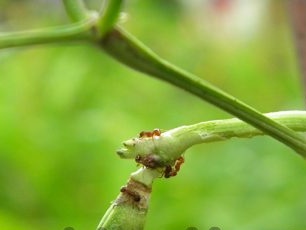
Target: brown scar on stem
x,y
134,193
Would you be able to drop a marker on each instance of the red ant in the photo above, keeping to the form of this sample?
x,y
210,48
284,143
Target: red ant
x,y
155,132
172,171
151,161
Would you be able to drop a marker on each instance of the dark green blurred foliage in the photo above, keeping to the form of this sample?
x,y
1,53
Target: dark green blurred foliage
x,y
65,109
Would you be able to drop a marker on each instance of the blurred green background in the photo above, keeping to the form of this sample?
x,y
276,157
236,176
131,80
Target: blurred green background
x,y
65,109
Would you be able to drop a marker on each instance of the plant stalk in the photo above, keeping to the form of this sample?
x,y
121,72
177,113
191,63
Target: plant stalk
x,y
131,52
130,208
171,144
108,16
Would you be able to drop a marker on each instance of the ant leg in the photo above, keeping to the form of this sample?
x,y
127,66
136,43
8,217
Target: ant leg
x,y
156,132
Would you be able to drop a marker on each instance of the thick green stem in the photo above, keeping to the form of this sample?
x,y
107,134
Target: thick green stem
x,y
130,208
173,143
131,52
74,32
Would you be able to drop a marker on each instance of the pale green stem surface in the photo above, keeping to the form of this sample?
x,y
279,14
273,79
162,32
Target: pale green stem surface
x,y
126,212
133,53
173,143
168,147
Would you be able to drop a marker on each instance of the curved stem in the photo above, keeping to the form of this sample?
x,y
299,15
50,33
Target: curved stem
x,y
108,16
173,143
73,32
76,10
131,52
170,145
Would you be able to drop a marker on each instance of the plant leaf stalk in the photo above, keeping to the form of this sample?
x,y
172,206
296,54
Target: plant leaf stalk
x,y
79,31
128,50
98,28
129,209
172,143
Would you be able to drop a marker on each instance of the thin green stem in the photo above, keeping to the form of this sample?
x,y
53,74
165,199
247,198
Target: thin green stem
x,y
173,143
76,10
73,32
136,55
109,15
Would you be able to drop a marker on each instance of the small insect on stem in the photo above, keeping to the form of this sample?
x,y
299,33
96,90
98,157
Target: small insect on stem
x,y
155,132
172,171
150,161
178,163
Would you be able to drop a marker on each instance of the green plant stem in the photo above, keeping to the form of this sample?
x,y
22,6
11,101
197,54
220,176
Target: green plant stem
x,y
173,143
130,51
76,10
134,54
74,32
109,15
130,208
